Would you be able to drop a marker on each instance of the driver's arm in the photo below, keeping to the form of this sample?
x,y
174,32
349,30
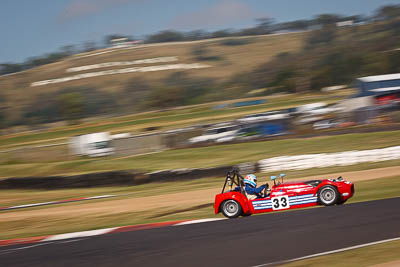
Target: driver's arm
x,y
252,190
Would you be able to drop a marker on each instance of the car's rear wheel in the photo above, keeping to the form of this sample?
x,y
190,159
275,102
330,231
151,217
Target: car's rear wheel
x,y
328,195
231,208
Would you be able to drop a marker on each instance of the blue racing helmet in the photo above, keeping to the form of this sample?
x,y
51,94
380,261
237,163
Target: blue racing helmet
x,y
251,179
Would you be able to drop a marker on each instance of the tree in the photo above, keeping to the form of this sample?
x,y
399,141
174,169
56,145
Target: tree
x,y
94,102
7,68
394,62
323,36
89,46
3,120
265,25
298,25
68,50
133,95
165,36
221,34
324,20
197,35
167,96
44,108
71,105
376,64
388,12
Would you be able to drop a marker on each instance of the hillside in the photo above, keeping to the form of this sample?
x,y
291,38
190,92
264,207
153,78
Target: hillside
x,y
221,59
160,76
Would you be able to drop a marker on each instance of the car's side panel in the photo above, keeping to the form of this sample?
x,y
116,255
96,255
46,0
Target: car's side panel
x,y
283,202
346,190
241,199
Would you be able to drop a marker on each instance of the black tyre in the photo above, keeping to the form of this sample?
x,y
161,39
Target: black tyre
x,y
231,208
328,195
340,202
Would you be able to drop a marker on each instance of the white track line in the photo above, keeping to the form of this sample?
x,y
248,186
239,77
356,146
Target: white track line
x,y
329,252
199,221
8,251
55,202
79,234
98,197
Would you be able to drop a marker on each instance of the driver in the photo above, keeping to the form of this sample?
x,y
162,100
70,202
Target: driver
x,y
252,192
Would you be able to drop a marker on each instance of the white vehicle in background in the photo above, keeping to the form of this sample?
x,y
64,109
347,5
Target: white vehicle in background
x,y
265,116
325,124
92,145
221,133
309,108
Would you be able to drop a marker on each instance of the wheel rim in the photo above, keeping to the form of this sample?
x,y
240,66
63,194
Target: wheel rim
x,y
328,195
231,208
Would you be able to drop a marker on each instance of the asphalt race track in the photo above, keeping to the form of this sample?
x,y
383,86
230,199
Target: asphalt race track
x,y
246,241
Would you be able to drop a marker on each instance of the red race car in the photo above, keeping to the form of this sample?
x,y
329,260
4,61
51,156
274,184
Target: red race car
x,y
233,202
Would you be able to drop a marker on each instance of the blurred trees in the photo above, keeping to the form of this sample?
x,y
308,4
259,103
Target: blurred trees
x,y
89,46
325,20
71,105
165,36
3,120
202,53
265,25
68,50
322,36
180,89
7,68
388,12
132,97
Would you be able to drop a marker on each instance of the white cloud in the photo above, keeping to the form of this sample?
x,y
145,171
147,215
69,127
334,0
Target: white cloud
x,y
223,13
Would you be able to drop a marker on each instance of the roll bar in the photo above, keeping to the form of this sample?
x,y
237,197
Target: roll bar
x,y
234,177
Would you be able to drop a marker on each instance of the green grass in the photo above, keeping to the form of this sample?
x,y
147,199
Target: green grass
x,y
376,189
211,156
366,256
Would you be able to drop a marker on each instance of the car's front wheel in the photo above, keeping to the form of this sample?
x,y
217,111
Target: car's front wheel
x,y
231,208
328,195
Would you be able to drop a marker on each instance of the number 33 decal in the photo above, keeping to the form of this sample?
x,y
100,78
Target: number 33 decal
x,y
279,203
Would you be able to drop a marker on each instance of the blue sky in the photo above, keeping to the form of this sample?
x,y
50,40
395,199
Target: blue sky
x,y
35,27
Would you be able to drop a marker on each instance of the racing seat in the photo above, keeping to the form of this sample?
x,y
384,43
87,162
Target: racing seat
x,y
250,196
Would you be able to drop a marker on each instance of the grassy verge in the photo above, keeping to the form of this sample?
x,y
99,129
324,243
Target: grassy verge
x,y
367,256
59,222
21,197
209,156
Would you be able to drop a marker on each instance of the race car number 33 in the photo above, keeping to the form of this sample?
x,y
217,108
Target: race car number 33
x,y
280,203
